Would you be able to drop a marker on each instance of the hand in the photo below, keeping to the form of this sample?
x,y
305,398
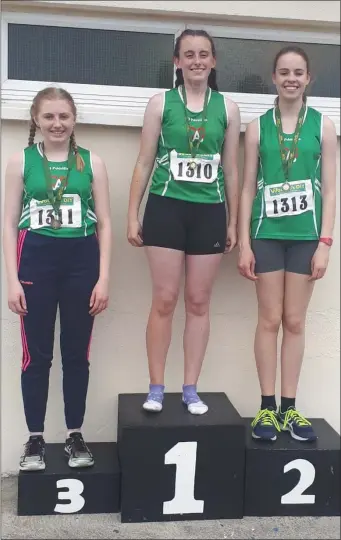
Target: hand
x,y
99,297
231,238
319,262
247,263
16,298
134,233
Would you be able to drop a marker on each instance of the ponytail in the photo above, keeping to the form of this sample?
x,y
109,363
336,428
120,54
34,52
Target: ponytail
x,y
212,79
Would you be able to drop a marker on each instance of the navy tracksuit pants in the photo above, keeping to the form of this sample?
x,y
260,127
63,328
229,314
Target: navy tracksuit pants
x,y
56,272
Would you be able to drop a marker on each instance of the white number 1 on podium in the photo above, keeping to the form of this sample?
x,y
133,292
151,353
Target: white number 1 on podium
x,y
184,456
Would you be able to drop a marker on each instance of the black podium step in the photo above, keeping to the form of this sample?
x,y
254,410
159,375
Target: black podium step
x,y
293,478
175,465
60,489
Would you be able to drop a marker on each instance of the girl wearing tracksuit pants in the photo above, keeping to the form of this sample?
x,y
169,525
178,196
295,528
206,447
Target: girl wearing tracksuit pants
x,y
57,247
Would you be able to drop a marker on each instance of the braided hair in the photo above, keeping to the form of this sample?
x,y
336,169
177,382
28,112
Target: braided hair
x,y
54,93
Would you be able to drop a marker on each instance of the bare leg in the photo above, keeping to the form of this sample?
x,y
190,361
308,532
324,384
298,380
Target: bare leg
x,y
201,271
270,294
298,291
165,268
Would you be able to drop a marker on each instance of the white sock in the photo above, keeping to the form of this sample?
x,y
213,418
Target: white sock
x,y
72,431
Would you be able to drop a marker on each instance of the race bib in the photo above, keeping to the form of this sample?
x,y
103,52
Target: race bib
x,y
70,214
296,199
205,170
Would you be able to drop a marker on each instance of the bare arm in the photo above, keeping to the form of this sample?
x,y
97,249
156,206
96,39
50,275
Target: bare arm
x,y
100,185
249,183
12,209
144,164
230,160
329,148
320,259
102,206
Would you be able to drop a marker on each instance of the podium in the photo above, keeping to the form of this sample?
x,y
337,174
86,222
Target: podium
x,y
61,490
293,478
178,466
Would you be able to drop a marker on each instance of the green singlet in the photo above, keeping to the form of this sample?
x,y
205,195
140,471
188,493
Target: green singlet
x,y
77,210
289,210
175,174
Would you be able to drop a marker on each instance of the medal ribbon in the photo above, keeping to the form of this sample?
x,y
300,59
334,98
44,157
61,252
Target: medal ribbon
x,y
288,158
56,199
194,147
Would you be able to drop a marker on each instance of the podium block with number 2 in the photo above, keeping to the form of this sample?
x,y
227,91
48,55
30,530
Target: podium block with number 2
x,y
175,465
293,478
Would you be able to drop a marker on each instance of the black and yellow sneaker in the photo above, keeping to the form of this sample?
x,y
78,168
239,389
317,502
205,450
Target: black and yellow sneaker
x,y
299,427
77,451
33,458
265,425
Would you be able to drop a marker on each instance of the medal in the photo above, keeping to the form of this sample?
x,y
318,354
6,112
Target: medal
x,y
287,157
56,198
195,146
55,223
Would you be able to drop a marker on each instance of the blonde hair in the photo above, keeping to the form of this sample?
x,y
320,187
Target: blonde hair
x,y
54,93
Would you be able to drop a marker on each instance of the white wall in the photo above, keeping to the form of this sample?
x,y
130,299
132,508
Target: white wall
x,y
314,12
118,356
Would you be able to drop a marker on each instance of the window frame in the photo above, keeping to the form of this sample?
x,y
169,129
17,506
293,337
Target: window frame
x,y
125,106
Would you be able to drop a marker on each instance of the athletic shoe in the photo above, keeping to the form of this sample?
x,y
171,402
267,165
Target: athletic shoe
x,y
34,454
77,451
299,427
265,425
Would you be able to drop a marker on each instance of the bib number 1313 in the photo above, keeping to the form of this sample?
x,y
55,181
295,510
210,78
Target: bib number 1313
x,y
296,199
289,204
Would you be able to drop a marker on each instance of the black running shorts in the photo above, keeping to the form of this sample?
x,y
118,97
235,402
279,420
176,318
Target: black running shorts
x,y
194,228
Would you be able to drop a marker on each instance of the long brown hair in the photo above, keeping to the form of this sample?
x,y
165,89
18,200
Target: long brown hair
x,y
54,93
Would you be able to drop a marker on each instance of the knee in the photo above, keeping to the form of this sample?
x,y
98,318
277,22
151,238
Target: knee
x,y
293,324
197,303
164,302
270,322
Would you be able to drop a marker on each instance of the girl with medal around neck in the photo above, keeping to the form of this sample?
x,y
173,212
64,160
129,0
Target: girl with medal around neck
x,y
286,222
57,243
191,134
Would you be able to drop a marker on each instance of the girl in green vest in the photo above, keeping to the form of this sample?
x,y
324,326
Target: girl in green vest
x,y
191,135
286,225
57,243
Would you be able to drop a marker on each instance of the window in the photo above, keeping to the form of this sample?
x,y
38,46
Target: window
x,y
245,66
90,56
113,66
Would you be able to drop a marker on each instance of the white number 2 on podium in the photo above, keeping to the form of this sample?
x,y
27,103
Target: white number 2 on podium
x,y
296,496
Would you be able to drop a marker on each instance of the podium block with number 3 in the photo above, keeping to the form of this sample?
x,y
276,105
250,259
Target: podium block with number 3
x,y
177,466
293,478
62,490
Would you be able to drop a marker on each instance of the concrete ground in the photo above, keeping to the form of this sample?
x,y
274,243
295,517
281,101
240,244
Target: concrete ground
x,y
108,525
